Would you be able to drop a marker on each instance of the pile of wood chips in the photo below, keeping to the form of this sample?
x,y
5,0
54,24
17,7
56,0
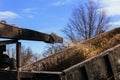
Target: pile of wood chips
x,y
77,53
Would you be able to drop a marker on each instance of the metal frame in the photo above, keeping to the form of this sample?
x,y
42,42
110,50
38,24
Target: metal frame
x,y
15,34
18,50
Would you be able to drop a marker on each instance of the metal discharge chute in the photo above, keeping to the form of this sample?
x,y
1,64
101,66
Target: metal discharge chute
x,y
15,33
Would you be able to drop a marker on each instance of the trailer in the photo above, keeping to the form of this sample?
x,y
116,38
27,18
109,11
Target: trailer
x,y
102,66
105,66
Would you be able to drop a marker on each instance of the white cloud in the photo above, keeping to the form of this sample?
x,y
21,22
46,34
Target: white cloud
x,y
29,10
58,3
117,23
112,7
63,2
8,14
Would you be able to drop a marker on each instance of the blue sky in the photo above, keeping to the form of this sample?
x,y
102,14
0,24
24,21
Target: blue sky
x,y
42,15
112,9
48,15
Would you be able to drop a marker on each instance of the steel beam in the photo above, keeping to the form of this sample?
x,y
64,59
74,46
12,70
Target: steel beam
x,y
8,42
13,32
18,55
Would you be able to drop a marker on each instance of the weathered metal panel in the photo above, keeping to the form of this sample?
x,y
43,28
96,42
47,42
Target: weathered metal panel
x,y
15,75
116,62
96,69
77,74
40,75
8,75
100,67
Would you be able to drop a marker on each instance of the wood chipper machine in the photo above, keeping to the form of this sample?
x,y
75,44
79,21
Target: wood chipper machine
x,y
14,34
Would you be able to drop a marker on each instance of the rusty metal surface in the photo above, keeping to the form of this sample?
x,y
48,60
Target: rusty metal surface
x,y
41,75
8,75
13,32
15,75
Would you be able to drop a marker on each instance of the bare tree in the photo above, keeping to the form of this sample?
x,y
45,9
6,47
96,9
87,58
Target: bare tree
x,y
87,21
28,56
52,49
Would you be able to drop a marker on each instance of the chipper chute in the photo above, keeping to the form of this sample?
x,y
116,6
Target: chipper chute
x,y
13,32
